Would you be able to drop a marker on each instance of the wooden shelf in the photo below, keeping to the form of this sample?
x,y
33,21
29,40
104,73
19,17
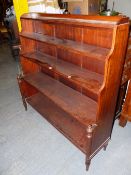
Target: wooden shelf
x,y
85,49
80,107
67,125
69,73
89,80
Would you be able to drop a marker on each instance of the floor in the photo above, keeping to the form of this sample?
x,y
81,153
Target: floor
x,y
29,145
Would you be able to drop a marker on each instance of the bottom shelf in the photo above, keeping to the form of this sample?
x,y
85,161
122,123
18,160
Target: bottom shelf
x,y
68,126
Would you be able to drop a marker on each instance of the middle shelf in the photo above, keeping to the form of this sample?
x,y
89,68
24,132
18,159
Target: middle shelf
x,y
79,47
74,103
67,72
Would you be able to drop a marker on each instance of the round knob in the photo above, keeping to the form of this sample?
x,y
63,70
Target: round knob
x,y
50,67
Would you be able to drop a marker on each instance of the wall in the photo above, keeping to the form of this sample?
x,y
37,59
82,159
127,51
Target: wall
x,y
123,6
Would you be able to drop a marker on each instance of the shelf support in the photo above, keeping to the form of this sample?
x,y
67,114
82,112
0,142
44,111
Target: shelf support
x,y
19,77
89,130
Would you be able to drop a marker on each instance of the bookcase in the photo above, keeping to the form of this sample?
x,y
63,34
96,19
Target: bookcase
x,y
71,73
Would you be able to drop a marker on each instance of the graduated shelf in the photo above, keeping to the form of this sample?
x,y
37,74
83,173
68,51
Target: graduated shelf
x,y
91,81
66,124
85,49
80,107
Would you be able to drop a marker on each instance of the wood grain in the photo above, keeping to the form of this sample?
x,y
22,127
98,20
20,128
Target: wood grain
x,y
73,66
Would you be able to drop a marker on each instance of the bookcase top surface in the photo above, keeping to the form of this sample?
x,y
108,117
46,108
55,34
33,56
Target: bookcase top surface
x,y
114,20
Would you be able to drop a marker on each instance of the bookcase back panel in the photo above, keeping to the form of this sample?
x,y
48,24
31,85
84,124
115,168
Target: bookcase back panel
x,y
94,65
82,61
91,35
29,66
44,28
28,25
28,45
98,36
47,48
70,56
68,32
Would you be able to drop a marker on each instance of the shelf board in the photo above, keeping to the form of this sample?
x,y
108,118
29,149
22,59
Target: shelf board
x,y
85,49
83,77
72,102
62,121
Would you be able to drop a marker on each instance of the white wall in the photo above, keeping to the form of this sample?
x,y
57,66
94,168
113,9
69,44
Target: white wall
x,y
123,6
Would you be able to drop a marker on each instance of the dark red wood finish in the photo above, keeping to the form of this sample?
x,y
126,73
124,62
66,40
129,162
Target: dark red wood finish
x,y
72,67
126,76
126,109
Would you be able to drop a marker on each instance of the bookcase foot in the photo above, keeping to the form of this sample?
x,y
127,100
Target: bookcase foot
x,y
24,103
122,121
105,146
88,162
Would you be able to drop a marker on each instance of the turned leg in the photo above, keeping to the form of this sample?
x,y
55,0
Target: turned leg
x,y
88,162
22,87
122,121
24,103
105,146
89,130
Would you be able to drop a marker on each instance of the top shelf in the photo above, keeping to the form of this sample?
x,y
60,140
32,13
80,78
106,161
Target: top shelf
x,y
80,19
84,49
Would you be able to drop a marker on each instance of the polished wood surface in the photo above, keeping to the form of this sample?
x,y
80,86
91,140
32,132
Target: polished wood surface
x,y
126,76
88,82
71,73
65,123
69,17
60,94
126,109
